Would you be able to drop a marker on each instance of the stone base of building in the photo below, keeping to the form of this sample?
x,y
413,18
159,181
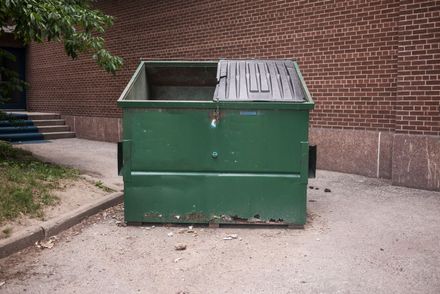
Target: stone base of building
x,y
95,128
408,160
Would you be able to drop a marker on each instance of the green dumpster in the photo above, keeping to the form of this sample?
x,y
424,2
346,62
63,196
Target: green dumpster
x,y
219,142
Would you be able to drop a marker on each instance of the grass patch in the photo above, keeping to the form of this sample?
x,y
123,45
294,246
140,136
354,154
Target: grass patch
x,y
26,183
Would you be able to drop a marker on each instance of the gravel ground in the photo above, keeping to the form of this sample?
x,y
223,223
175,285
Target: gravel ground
x,y
365,236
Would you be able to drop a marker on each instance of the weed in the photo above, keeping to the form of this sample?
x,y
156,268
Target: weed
x,y
101,186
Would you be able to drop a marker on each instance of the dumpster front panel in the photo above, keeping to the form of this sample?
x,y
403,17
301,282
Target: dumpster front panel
x,y
241,141
214,197
259,167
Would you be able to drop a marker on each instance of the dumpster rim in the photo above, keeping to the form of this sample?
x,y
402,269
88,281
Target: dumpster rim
x,y
142,103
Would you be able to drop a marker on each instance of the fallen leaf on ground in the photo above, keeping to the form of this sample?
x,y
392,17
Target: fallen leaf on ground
x,y
46,244
2,283
121,224
177,259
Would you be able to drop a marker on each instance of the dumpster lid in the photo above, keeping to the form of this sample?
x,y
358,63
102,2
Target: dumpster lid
x,y
258,80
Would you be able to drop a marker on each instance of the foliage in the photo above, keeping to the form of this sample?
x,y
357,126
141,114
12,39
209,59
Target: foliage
x,y
75,23
26,183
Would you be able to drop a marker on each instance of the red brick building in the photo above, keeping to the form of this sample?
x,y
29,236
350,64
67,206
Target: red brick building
x,y
373,68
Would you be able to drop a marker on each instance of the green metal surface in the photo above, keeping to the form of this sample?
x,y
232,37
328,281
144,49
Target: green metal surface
x,y
217,197
202,161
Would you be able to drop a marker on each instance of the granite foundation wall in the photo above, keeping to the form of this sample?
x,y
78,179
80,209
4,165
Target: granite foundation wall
x,y
408,160
95,128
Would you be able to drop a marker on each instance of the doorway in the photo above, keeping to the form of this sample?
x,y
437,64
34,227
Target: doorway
x,y
18,99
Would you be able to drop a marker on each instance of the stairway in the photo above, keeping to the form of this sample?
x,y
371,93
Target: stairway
x,y
32,126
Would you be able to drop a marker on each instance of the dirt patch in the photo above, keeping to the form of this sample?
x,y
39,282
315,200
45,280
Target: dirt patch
x,y
72,195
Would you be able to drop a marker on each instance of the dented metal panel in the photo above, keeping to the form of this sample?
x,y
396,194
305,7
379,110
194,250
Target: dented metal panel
x,y
258,80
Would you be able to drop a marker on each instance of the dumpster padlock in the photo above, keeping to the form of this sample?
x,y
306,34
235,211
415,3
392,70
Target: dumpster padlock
x,y
214,154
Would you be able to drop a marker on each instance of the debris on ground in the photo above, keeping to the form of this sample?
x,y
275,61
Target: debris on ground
x,y
254,220
311,187
189,230
2,283
231,237
312,200
177,259
327,190
180,247
48,244
170,234
121,224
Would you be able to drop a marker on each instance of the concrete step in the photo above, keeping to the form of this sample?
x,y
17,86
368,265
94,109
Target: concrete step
x,y
23,123
15,123
13,110
58,135
40,116
27,126
21,137
17,130
53,129
49,122
34,115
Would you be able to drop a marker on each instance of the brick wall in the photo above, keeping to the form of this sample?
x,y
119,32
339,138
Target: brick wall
x,y
418,85
370,65
347,51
